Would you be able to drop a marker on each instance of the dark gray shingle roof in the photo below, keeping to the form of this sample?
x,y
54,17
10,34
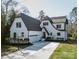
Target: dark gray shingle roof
x,y
31,23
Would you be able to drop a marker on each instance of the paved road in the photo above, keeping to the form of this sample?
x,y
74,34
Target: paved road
x,y
40,50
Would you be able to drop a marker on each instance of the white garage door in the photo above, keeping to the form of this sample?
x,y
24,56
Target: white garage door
x,y
34,38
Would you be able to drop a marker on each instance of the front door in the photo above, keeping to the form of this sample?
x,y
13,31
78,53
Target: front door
x,y
44,35
14,35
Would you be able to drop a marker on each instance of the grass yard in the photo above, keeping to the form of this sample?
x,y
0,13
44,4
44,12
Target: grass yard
x,y
65,51
10,48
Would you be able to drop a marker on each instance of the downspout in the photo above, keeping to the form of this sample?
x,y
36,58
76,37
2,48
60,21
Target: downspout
x,y
28,36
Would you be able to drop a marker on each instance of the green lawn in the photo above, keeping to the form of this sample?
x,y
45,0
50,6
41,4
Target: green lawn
x,y
7,49
65,51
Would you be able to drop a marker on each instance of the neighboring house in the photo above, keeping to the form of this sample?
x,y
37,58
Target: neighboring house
x,y
28,29
25,28
55,27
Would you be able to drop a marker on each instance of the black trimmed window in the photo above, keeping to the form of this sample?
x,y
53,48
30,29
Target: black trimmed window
x,y
45,23
58,34
58,26
18,24
51,33
22,34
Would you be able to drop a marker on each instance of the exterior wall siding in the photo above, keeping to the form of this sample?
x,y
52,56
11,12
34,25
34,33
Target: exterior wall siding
x,y
50,29
18,30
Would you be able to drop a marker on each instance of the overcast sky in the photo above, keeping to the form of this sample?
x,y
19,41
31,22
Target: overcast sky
x,y
50,7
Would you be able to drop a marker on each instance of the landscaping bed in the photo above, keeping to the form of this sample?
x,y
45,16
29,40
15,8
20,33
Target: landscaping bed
x,y
10,48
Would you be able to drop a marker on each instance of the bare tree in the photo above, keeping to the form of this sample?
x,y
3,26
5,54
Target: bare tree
x,y
73,15
6,8
25,10
8,5
73,22
41,15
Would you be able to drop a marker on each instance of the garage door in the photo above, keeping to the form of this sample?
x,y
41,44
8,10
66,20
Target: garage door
x,y
34,38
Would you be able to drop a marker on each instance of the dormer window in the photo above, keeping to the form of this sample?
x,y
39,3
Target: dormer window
x,y
58,26
45,23
18,24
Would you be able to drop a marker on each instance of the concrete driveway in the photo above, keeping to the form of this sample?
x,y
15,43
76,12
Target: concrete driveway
x,y
40,50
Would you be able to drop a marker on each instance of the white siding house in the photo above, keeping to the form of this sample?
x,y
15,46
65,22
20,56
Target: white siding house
x,y
25,27
55,27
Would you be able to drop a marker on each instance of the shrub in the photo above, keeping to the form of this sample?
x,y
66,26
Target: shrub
x,y
72,36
